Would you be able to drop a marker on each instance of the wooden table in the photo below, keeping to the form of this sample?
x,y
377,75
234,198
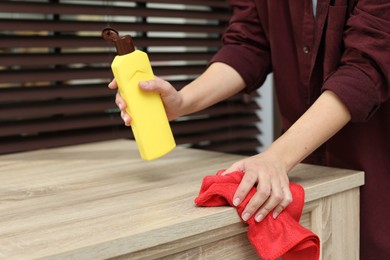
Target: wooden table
x,y
101,200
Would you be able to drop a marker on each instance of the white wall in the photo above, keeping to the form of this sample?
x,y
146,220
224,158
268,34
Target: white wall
x,y
266,113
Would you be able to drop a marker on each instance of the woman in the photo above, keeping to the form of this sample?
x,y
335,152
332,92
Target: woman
x,y
331,67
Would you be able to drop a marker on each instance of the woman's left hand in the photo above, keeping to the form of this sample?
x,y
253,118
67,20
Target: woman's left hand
x,y
270,177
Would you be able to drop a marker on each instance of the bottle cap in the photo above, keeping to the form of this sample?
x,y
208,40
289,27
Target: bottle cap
x,y
123,44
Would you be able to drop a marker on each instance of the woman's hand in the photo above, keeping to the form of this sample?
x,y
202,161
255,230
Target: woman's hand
x,y
171,98
268,170
270,178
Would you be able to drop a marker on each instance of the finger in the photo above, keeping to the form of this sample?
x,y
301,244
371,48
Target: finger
x,y
126,118
248,181
150,85
164,88
274,199
120,102
112,84
287,199
279,199
258,199
235,167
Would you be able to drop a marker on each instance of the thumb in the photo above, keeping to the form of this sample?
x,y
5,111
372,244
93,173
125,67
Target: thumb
x,y
157,85
113,84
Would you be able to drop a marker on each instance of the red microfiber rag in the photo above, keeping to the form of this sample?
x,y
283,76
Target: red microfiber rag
x,y
272,238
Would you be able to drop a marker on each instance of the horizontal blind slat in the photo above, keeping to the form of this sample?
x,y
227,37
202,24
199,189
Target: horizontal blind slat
x,y
60,91
61,108
72,41
31,127
243,146
215,123
213,3
216,136
69,26
62,74
45,59
78,9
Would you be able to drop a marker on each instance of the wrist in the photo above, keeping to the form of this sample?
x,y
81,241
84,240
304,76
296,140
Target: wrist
x,y
283,155
186,105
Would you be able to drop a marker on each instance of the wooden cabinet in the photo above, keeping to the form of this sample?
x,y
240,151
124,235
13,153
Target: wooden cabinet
x,y
100,201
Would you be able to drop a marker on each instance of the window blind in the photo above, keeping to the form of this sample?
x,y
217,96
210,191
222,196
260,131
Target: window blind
x,y
55,67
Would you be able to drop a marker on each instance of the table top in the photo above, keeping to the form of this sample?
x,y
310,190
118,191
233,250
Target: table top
x,y
100,200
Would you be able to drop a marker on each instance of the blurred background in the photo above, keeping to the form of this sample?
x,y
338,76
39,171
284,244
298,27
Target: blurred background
x,y
55,67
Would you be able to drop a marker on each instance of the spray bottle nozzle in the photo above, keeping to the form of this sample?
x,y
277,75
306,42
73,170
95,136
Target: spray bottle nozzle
x,y
124,45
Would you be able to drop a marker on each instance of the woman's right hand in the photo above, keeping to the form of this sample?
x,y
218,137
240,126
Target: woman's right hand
x,y
171,98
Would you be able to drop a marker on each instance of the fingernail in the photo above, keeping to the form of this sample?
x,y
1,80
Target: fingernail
x,y
246,216
236,202
144,84
259,217
275,215
126,119
120,106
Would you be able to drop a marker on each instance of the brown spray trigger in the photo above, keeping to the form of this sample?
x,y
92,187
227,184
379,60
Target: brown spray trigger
x,y
123,44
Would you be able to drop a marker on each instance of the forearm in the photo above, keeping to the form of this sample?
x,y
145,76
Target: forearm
x,y
320,122
217,83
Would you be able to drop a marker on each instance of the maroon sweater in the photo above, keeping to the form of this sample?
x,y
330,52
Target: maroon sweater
x,y
345,49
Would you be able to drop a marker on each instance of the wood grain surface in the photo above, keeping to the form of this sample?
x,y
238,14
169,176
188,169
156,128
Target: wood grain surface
x,y
100,200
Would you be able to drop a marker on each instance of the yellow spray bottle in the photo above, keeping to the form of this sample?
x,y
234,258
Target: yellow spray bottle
x,y
149,121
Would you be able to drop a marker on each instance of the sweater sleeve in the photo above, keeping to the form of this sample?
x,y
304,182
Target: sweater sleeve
x,y
245,46
362,80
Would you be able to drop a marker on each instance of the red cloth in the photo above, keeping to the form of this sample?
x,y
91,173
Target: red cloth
x,y
272,238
